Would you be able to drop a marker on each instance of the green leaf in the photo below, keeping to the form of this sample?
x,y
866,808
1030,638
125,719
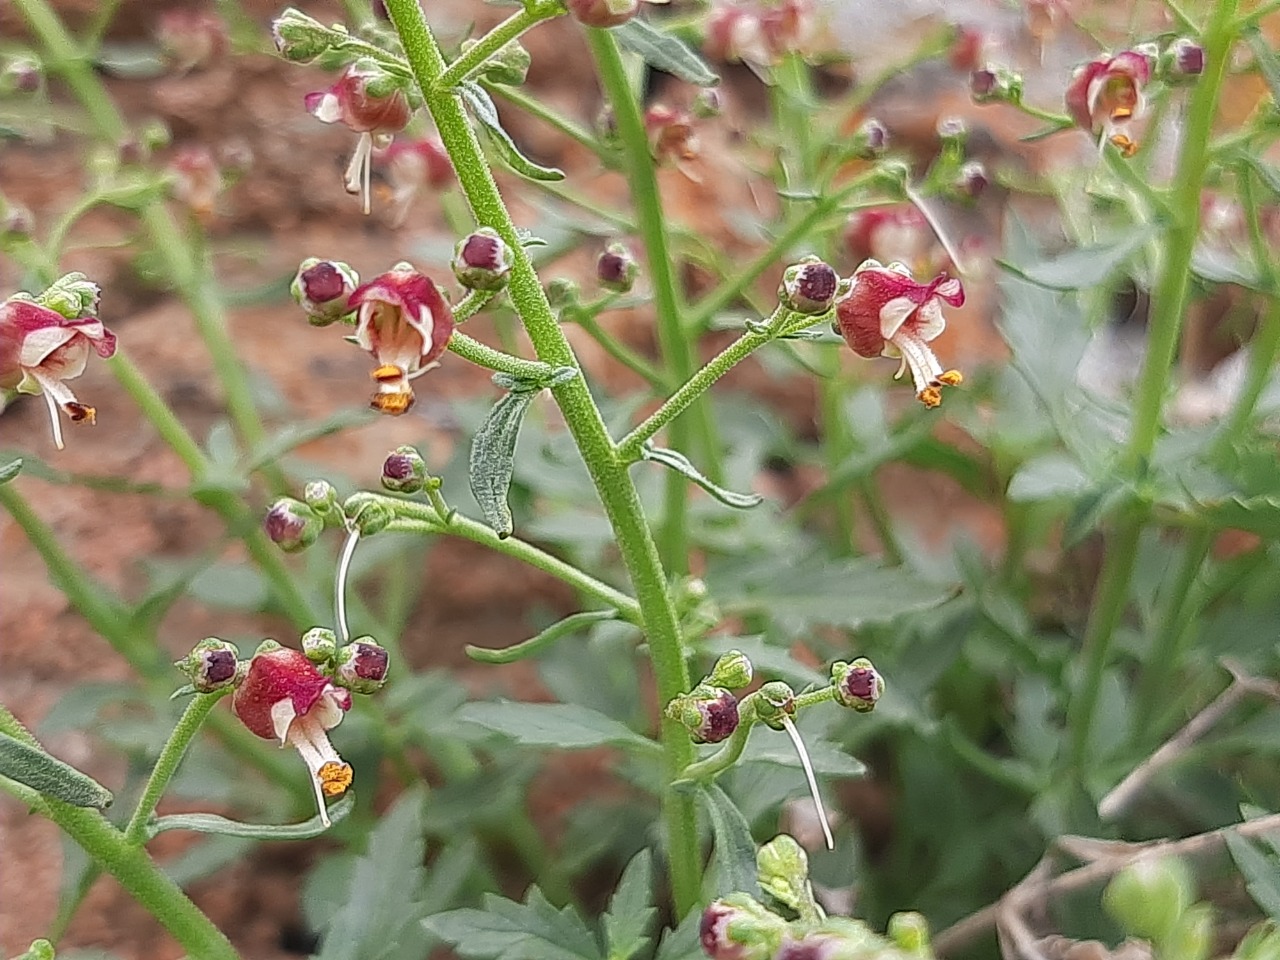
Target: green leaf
x,y
828,759
735,849
1268,62
682,943
493,458
10,470
131,61
563,725
664,52
48,775
1082,267
482,108
382,908
1260,515
1223,266
680,464
230,586
630,915
1261,874
1094,506
505,930
1048,477
221,826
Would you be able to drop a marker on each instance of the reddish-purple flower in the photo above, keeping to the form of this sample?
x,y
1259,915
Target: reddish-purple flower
x,y
1105,96
404,322
197,179
284,697
890,233
887,313
760,34
413,165
40,350
376,116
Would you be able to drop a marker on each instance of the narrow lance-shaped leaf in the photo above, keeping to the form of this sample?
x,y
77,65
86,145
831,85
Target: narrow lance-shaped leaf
x,y
10,470
483,109
678,462
48,775
664,52
221,826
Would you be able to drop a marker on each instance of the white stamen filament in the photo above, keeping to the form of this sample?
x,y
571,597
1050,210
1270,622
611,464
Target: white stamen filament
x,y
356,178
340,583
919,359
53,419
311,742
936,227
794,734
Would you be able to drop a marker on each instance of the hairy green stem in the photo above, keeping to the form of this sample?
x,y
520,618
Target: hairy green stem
x,y
582,417
175,748
483,355
493,41
622,353
125,861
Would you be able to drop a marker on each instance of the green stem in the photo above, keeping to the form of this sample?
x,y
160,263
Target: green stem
x,y
1168,304
622,353
677,355
493,41
470,305
574,623
483,355
171,755
127,862
582,417
630,446
536,108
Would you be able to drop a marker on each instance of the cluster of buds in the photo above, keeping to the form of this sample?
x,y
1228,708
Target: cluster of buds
x,y
368,101
294,697
740,927
710,710
760,34
46,340
888,313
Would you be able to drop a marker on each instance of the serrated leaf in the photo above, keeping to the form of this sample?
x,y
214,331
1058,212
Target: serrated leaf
x,y
678,462
735,848
486,114
1261,874
381,912
506,930
10,470
492,461
1081,267
48,775
563,725
631,911
221,826
682,943
1260,515
664,52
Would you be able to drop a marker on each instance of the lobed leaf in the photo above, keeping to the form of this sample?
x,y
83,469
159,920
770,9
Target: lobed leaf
x,y
735,849
630,915
506,930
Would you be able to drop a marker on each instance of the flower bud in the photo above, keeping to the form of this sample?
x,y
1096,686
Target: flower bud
x,y
672,137
952,130
362,666
197,179
292,525
17,221
616,268
22,75
321,497
871,140
709,713
509,66
482,261
808,287
319,644
404,470
775,702
966,48
367,514
1192,936
910,931
858,685
736,927
732,670
300,38
708,104
995,84
321,289
1183,61
74,296
782,867
211,665
1147,898
602,13
562,294
970,181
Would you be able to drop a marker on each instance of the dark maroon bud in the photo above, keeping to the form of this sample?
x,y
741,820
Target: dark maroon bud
x,y
983,85
321,289
616,269
362,665
602,13
809,287
482,261
292,525
211,665
23,76
1186,58
710,714
971,181
858,685
871,140
404,470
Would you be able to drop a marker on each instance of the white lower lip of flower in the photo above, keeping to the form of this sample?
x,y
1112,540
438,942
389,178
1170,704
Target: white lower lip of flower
x,y
330,776
919,359
356,179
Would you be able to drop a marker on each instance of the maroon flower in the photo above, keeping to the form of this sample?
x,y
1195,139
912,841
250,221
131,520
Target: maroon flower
x,y
887,313
1105,96
377,116
889,233
197,179
759,34
413,165
40,350
405,323
284,697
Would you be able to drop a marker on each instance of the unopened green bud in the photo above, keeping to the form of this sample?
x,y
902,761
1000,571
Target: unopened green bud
x,y
321,497
361,666
404,470
616,268
74,296
732,670
1148,897
782,868
871,140
774,701
300,38
910,931
292,525
39,950
562,294
736,927
367,514
319,644
1260,943
1192,935
211,665
995,84
509,66
266,646
858,685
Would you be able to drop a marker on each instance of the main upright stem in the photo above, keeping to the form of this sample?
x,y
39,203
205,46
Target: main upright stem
x,y
616,491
